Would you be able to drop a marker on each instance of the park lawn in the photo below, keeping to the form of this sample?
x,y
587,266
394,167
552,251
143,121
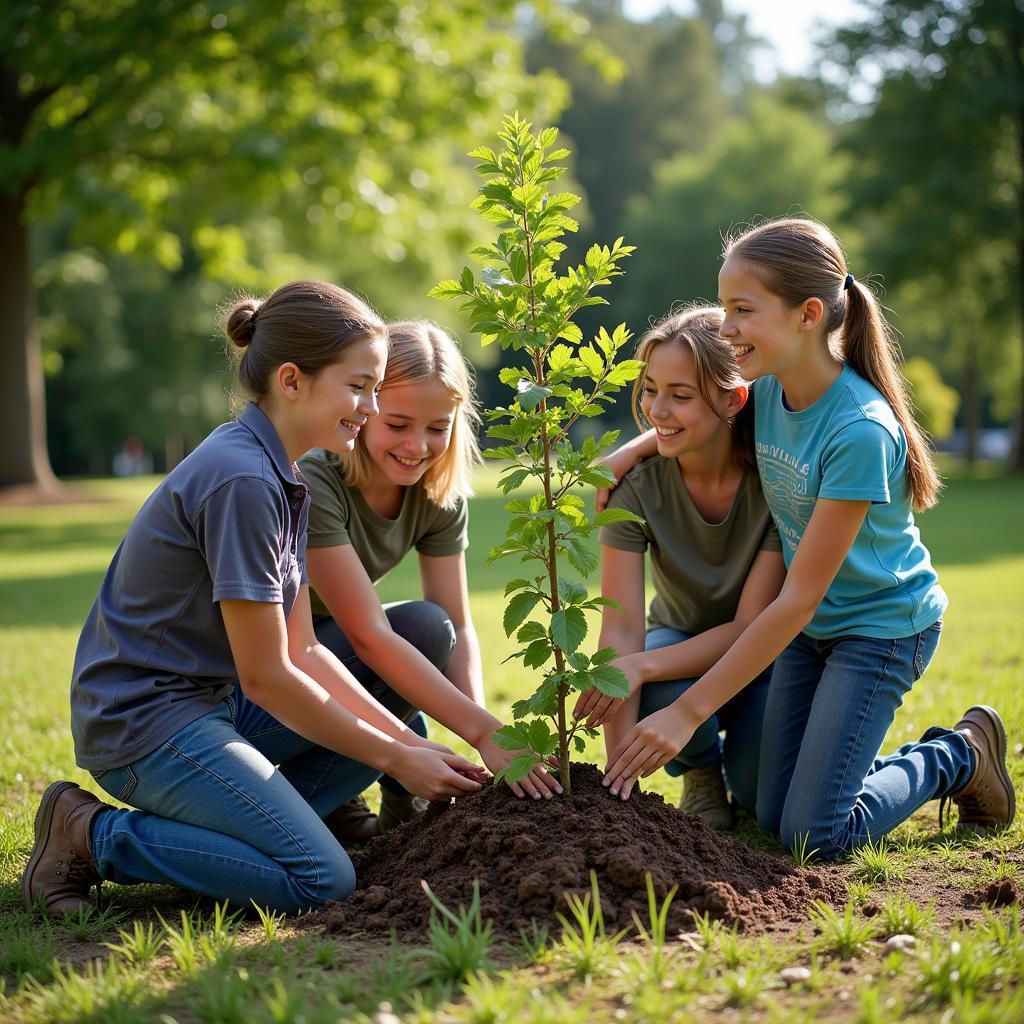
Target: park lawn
x,y
204,968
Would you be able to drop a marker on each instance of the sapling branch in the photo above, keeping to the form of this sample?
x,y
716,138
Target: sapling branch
x,y
522,303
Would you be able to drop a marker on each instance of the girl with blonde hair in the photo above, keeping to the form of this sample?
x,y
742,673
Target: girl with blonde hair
x,y
404,487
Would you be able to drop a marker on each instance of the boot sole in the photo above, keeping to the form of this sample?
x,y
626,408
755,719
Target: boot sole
x,y
1001,745
43,823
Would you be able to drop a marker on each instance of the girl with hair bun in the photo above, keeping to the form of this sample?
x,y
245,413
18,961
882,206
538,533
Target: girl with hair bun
x,y
404,487
200,694
715,560
843,466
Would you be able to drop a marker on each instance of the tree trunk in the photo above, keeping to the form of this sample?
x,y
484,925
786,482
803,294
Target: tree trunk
x,y
23,456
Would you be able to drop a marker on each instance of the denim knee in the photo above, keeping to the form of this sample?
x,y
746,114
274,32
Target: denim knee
x,y
335,877
800,836
427,627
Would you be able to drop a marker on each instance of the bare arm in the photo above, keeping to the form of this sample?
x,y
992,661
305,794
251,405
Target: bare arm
x,y
826,542
444,583
341,581
259,639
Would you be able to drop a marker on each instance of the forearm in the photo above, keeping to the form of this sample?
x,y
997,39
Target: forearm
x,y
298,702
621,722
688,659
757,647
417,680
319,663
465,669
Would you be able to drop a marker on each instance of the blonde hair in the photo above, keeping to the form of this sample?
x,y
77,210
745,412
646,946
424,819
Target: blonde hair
x,y
419,352
797,259
698,329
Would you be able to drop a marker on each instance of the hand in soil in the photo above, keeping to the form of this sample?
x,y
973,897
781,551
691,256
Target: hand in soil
x,y
539,783
598,707
434,774
648,746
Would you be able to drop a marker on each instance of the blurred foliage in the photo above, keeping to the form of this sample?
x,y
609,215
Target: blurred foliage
x,y
933,95
770,161
173,153
935,403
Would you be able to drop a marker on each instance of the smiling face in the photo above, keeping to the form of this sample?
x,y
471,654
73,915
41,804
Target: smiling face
x,y
766,336
673,404
341,398
412,432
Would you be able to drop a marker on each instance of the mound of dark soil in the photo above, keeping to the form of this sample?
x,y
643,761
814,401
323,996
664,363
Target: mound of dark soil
x,y
529,855
1001,893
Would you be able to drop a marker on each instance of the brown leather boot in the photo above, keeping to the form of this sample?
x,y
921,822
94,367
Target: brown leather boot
x,y
988,800
61,869
353,822
398,808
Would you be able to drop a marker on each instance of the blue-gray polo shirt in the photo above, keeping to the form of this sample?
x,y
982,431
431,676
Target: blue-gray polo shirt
x,y
228,523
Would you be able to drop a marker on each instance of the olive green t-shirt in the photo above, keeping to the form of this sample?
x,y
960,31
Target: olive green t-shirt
x,y
697,568
340,515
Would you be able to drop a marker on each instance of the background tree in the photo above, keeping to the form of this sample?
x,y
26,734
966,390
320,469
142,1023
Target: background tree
x,y
162,127
935,93
771,161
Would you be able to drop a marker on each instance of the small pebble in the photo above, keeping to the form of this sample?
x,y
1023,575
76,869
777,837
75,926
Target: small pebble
x,y
900,943
384,1015
794,975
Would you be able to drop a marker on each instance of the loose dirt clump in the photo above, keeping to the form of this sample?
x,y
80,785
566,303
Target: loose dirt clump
x,y
528,856
1001,893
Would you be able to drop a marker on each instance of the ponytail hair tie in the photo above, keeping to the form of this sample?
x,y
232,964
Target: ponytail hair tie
x,y
847,282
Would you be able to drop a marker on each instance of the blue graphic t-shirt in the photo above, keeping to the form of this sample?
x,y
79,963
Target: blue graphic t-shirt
x,y
849,446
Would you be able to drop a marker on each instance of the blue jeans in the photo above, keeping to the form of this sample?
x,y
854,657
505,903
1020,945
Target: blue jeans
x,y
423,624
823,783
218,818
740,718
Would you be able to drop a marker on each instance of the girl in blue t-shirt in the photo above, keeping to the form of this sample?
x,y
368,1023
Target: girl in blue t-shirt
x,y
843,466
200,693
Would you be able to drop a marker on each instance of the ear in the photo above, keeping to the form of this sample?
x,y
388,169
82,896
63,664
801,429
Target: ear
x,y
290,381
812,314
736,400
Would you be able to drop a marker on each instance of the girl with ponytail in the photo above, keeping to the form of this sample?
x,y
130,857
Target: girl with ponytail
x,y
843,467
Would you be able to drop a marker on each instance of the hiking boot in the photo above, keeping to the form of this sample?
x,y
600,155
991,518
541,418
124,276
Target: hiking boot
x,y
61,868
352,822
704,796
987,800
397,808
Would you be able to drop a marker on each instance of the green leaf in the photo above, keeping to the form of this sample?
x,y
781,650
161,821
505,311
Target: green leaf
x,y
513,585
512,737
518,609
611,681
568,628
616,515
517,264
495,278
531,395
542,740
530,631
446,290
537,653
466,280
570,591
518,768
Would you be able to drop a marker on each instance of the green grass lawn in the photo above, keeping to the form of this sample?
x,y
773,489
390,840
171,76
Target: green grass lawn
x,y
248,970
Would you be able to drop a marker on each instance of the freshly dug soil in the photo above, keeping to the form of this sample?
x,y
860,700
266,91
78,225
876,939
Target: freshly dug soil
x,y
1001,893
529,855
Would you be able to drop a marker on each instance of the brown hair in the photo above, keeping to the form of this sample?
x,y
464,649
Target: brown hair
x,y
308,323
420,351
698,329
798,259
